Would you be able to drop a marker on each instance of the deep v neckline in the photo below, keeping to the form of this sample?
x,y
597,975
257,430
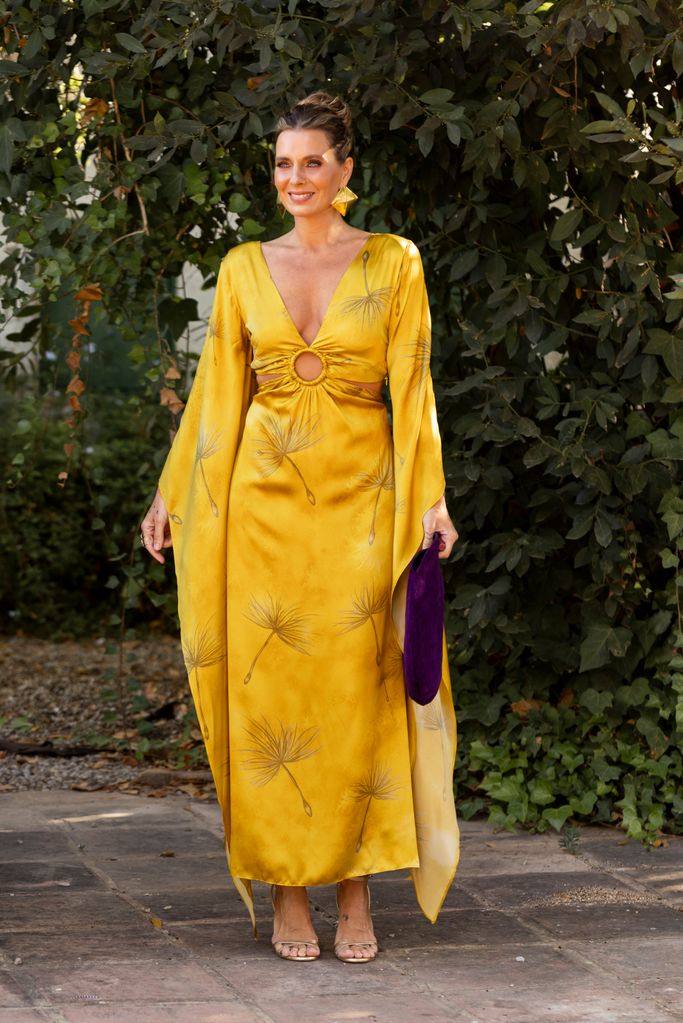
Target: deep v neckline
x,y
329,304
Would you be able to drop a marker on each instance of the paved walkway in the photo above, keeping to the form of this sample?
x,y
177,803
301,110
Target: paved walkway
x,y
117,909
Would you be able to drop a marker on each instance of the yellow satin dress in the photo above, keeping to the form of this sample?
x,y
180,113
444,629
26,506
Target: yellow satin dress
x,y
295,509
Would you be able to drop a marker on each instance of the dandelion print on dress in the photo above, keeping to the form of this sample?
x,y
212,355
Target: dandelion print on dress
x,y
281,438
381,478
287,623
211,336
370,305
420,351
392,667
273,747
202,651
430,717
207,446
370,602
377,784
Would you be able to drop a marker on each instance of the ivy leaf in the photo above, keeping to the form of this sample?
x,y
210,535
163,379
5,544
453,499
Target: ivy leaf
x,y
584,803
557,816
596,702
602,643
670,348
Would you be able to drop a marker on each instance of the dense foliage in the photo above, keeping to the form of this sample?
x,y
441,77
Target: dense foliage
x,y
535,155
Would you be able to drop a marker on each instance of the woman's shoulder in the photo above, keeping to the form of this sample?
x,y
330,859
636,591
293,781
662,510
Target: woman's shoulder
x,y
396,245
242,251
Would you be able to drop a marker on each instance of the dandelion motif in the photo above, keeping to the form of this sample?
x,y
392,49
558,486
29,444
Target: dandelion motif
x,y
381,478
377,784
420,352
212,334
207,445
287,623
432,720
393,667
202,651
370,305
272,748
369,603
281,438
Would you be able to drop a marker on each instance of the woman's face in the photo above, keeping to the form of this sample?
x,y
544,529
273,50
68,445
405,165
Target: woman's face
x,y
307,173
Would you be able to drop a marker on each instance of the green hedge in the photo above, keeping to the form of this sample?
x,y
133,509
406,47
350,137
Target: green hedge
x,y
534,154
69,555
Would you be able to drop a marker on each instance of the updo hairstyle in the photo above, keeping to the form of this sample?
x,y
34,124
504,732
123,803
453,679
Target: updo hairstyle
x,y
325,113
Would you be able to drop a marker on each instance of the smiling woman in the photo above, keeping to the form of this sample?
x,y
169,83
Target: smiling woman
x,y
294,510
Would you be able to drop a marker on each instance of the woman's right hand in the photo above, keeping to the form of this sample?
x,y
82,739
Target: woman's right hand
x,y
155,530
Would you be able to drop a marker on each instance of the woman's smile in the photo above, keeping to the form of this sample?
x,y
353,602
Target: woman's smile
x,y
307,173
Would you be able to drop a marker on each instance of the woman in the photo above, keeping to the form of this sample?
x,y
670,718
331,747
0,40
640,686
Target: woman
x,y
293,511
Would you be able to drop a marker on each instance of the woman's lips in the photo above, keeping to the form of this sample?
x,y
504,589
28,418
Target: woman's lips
x,y
300,196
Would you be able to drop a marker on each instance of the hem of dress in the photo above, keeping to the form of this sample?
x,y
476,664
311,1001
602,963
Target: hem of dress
x,y
381,869
447,888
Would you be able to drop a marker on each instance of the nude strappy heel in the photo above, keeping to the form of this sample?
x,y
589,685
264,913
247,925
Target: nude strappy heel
x,y
368,948
280,944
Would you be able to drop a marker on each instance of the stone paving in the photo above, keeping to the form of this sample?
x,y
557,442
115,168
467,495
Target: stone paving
x,y
117,909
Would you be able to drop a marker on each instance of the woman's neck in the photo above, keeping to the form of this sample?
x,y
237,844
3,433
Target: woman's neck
x,y
319,232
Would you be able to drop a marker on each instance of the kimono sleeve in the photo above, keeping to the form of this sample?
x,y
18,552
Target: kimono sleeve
x,y
195,479
418,465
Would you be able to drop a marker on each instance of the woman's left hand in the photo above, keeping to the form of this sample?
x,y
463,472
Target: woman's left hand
x,y
437,520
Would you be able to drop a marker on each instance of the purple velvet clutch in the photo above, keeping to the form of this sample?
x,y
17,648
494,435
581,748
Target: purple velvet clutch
x,y
423,639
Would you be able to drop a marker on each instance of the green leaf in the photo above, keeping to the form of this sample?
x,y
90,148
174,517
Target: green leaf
x,y
454,133
12,68
609,104
436,97
425,139
596,702
238,203
463,263
566,225
557,816
129,42
584,803
669,347
602,643
670,559
6,149
251,228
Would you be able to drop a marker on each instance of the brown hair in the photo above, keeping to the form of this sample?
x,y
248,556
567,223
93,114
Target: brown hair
x,y
326,113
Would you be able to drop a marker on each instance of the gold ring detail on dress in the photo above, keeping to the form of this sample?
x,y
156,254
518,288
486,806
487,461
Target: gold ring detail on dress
x,y
302,380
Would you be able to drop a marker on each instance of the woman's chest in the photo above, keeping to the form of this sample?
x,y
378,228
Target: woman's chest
x,y
350,314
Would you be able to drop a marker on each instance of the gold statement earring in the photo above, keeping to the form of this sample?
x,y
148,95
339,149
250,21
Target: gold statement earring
x,y
343,198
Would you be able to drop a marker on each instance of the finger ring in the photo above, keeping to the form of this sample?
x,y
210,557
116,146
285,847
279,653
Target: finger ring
x,y
142,540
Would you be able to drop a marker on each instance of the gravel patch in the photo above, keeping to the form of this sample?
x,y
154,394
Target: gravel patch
x,y
67,693
594,895
19,773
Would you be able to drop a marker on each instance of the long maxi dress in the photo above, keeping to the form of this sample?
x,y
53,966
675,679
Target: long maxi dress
x,y
295,509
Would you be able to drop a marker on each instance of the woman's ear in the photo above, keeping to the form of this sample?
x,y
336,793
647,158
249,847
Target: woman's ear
x,y
348,170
